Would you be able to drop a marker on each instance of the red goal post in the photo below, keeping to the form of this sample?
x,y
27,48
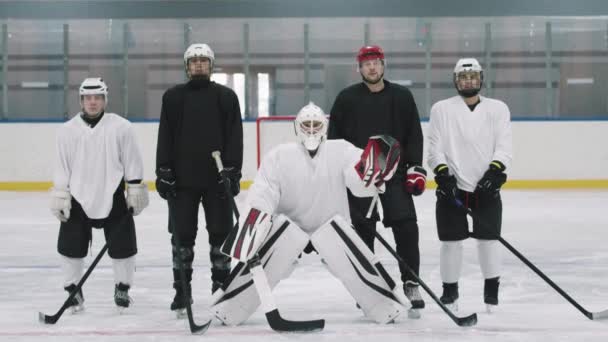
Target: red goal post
x,y
272,131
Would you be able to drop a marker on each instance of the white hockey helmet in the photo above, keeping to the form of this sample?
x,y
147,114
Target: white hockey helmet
x,y
468,65
199,50
311,126
93,86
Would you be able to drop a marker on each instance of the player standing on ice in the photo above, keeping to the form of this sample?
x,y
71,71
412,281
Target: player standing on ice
x,y
469,150
377,106
96,153
198,117
302,186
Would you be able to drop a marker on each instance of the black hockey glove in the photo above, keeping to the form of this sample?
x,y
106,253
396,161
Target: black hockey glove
x,y
165,183
446,183
493,179
233,177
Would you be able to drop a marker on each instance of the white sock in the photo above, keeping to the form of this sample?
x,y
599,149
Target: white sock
x,y
72,270
450,256
124,270
488,252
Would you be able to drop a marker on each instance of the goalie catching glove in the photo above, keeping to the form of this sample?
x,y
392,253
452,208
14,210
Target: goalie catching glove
x,y
243,242
379,161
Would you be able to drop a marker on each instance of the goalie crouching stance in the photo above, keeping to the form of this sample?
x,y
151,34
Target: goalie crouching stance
x,y
298,200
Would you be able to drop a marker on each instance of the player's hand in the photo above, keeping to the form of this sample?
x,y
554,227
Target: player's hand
x,y
492,179
446,183
61,204
233,177
379,160
137,198
165,183
415,180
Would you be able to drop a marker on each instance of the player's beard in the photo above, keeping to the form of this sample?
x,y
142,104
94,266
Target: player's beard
x,y
199,80
370,81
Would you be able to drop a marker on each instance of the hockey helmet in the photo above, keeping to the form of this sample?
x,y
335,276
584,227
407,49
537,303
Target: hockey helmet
x,y
311,126
468,69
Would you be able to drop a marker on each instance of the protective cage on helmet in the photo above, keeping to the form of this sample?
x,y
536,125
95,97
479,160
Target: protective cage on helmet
x,y
311,126
466,66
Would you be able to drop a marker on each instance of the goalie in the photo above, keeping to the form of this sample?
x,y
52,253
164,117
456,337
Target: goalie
x,y
299,203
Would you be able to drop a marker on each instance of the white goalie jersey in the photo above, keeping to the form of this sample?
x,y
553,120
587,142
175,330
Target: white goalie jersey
x,y
308,190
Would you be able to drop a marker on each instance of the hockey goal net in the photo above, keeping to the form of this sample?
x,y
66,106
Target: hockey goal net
x,y
272,131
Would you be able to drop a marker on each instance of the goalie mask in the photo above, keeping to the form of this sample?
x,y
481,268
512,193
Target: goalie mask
x,y
311,126
468,77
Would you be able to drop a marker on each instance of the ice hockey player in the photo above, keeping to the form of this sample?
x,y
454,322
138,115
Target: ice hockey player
x,y
299,198
198,117
469,139
96,153
378,106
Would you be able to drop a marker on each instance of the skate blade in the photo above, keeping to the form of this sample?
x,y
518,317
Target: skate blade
x,y
453,306
180,313
76,309
413,313
121,310
491,308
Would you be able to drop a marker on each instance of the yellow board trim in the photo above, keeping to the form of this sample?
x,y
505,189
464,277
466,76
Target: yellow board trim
x,y
512,184
549,184
45,186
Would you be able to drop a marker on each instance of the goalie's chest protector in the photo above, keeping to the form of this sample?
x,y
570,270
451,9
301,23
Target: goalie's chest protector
x,y
312,190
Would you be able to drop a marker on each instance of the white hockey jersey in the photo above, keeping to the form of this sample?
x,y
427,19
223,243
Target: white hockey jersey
x,y
91,162
468,141
309,191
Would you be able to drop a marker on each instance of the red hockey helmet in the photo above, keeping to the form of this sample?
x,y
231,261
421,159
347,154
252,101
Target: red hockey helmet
x,y
370,52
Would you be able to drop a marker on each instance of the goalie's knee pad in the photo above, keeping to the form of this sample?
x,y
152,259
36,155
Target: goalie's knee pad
x,y
350,260
278,255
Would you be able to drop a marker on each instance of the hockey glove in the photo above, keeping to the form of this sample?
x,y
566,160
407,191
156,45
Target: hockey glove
x,y
415,180
446,183
233,177
165,183
137,198
493,179
379,161
61,204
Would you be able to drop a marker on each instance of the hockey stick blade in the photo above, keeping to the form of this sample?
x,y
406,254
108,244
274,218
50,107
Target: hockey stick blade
x,y
467,321
46,319
531,266
599,315
279,324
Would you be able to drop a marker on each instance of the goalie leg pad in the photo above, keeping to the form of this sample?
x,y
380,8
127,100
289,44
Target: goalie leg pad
x,y
350,260
278,255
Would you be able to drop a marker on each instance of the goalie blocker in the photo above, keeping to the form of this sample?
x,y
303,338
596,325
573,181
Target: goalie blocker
x,y
346,255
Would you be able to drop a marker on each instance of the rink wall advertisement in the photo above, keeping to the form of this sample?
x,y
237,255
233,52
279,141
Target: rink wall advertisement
x,y
547,154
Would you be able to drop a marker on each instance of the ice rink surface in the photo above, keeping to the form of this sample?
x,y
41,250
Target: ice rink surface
x,y
565,233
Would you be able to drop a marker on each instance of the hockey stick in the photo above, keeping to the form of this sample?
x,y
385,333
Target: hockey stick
x,y
46,319
591,315
276,322
194,328
466,321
